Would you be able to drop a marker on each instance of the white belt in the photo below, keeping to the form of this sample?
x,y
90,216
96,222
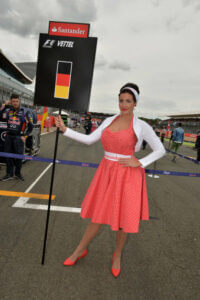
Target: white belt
x,y
115,156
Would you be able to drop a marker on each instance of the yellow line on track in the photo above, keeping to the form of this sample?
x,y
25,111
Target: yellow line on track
x,y
29,195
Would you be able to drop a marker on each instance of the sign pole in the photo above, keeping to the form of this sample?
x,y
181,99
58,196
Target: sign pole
x,y
71,54
50,193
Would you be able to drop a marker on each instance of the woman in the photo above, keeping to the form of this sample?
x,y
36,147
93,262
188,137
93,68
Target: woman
x,y
117,195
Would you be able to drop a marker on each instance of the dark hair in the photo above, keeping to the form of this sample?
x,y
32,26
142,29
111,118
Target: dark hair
x,y
131,85
180,124
14,96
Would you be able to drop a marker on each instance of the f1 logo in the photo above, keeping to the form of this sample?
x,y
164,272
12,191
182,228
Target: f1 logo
x,y
48,44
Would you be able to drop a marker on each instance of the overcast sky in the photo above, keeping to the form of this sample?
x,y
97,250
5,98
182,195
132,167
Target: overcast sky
x,y
154,43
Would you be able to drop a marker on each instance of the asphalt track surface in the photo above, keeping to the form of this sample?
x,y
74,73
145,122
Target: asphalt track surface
x,y
160,262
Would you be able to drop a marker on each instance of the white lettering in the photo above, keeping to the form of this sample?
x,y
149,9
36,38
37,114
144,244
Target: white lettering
x,y
73,31
65,44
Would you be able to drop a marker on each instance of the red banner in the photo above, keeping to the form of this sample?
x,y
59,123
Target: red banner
x,y
69,29
190,135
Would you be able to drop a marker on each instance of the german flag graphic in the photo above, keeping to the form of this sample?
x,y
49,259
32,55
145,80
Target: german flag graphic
x,y
63,79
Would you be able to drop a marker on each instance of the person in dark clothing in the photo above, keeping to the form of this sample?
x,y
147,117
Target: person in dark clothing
x,y
144,143
19,126
157,131
88,125
163,134
197,145
177,140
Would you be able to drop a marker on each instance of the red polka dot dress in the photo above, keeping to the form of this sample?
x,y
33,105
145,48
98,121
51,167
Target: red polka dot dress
x,y
117,195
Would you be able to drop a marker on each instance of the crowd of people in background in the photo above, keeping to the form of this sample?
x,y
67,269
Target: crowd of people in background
x,y
20,124
176,139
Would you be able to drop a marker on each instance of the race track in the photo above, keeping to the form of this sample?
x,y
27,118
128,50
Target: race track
x,y
162,261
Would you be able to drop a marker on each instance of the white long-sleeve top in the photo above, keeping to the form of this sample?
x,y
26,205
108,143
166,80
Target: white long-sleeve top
x,y
142,130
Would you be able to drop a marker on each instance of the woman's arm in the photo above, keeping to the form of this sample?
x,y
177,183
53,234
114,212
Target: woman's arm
x,y
155,144
83,138
77,136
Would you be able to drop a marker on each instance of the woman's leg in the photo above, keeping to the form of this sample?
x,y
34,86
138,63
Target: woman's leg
x,y
120,242
90,233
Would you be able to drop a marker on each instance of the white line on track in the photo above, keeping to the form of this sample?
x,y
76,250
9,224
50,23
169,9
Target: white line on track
x,y
46,132
22,201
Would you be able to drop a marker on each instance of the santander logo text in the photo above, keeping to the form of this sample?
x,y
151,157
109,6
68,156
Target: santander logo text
x,y
69,29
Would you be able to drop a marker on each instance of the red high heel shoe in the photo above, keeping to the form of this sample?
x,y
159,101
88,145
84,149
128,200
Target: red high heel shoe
x,y
68,262
115,272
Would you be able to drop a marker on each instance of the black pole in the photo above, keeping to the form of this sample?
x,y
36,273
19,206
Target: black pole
x,y
50,193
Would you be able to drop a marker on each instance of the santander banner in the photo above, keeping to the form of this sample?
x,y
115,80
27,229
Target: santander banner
x,y
69,29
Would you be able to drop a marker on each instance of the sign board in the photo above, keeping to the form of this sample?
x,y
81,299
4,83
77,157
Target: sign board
x,y
69,29
64,72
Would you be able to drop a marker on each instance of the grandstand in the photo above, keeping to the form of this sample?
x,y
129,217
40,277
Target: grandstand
x,y
190,121
14,80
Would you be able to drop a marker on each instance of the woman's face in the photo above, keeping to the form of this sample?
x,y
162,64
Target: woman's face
x,y
126,103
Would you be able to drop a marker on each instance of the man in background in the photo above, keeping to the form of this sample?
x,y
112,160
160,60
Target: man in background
x,y
19,126
197,145
157,131
88,125
177,140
